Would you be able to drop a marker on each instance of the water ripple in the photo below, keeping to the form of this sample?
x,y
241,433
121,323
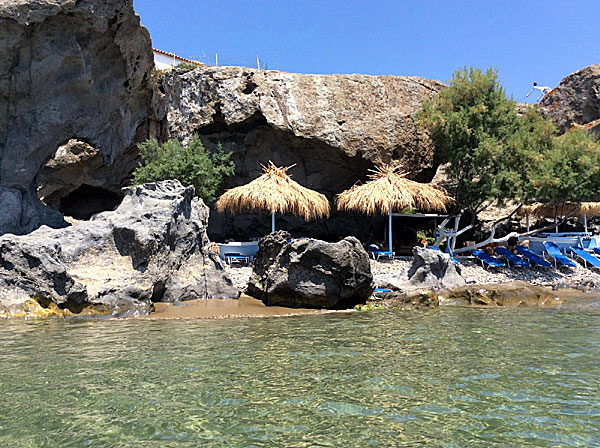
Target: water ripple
x,y
450,378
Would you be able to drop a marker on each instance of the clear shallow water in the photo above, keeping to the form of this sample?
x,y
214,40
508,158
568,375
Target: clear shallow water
x,y
447,378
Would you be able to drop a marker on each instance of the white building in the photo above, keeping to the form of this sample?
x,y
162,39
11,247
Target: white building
x,y
167,61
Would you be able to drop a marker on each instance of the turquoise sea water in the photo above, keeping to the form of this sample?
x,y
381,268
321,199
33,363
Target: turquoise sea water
x,y
446,378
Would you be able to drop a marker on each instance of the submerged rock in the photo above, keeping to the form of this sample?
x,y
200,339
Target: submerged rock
x,y
413,300
513,294
310,273
430,270
153,247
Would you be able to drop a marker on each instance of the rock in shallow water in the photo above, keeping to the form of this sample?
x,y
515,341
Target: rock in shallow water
x,y
153,247
513,294
310,273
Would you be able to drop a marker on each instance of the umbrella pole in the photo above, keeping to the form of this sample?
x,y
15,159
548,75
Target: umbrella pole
x,y
527,223
390,231
272,222
585,223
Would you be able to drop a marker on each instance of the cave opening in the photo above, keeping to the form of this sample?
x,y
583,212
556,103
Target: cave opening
x,y
87,200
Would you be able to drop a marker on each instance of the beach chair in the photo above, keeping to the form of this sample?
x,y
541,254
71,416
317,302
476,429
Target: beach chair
x,y
585,256
487,259
554,252
454,260
511,258
532,256
377,254
235,258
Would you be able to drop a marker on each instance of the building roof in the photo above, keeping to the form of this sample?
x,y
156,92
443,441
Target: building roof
x,y
179,58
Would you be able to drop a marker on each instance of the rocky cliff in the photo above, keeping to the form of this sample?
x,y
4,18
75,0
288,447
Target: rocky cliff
x,y
152,248
575,101
69,70
333,127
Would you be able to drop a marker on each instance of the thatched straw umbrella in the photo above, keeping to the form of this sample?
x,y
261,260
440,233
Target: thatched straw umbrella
x,y
544,210
275,192
388,189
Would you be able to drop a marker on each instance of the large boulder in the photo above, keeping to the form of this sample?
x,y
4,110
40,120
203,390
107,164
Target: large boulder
x,y
575,101
333,127
70,70
310,273
430,270
153,247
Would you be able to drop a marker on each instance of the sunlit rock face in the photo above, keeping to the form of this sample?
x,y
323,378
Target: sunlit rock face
x,y
334,128
575,101
69,70
153,248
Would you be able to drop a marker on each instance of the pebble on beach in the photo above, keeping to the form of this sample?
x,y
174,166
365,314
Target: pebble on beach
x,y
472,271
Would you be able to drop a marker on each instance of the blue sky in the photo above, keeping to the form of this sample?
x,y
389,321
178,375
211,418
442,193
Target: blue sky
x,y
526,40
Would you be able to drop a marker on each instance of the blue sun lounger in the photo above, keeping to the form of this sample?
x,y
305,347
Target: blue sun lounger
x,y
511,258
487,259
377,254
532,256
585,256
553,250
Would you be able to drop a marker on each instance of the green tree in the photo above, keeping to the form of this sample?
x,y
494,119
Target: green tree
x,y
568,171
191,164
484,142
493,154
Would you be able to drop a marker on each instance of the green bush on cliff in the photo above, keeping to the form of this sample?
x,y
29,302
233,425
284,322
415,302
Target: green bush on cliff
x,y
191,164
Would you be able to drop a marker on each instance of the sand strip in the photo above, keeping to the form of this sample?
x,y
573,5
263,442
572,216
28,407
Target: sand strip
x,y
246,306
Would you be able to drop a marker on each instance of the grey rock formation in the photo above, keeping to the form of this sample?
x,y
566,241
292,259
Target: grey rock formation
x,y
511,294
152,248
310,273
431,270
405,300
333,127
69,70
575,101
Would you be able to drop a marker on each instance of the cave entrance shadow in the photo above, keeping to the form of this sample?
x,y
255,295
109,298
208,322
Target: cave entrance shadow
x,y
86,201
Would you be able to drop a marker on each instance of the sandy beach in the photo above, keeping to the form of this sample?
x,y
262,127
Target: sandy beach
x,y
245,306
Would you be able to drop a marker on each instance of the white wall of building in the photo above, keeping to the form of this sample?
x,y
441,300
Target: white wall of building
x,y
164,62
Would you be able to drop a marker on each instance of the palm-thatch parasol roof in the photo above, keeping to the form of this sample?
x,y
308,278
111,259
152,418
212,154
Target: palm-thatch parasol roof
x,y
387,189
544,210
275,192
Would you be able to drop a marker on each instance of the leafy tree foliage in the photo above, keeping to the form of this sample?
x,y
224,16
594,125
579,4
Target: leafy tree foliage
x,y
493,154
569,171
191,164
